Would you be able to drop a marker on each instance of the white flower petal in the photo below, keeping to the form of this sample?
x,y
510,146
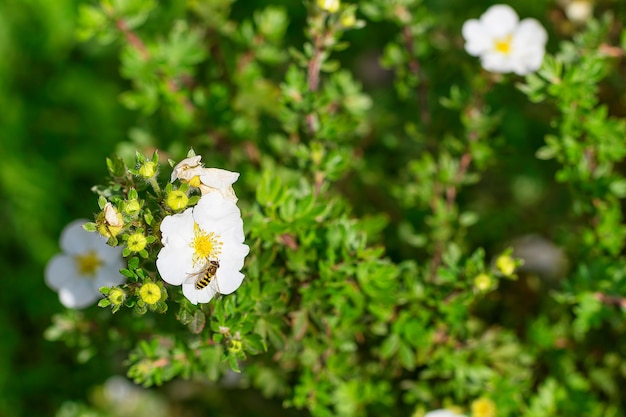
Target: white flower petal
x,y
76,240
109,255
228,280
234,255
442,413
177,229
175,263
218,178
185,165
79,295
477,39
496,62
198,296
213,207
529,33
61,271
108,276
499,20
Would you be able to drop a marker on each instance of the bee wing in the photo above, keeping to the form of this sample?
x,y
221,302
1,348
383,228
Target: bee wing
x,y
193,277
214,285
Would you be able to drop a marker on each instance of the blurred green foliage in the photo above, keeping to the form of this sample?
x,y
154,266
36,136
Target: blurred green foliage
x,y
384,174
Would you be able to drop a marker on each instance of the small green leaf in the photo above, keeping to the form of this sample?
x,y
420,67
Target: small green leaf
x,y
197,322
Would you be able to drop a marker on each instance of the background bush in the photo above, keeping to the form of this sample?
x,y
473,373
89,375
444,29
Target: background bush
x,y
373,193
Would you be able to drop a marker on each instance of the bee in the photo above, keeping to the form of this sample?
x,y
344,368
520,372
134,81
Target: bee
x,y
206,275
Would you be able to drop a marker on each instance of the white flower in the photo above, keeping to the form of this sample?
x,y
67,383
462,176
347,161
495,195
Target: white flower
x,y
87,264
443,413
505,44
209,180
203,249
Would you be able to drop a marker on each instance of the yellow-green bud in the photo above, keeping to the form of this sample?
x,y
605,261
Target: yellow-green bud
x,y
506,265
132,206
116,296
330,6
348,20
483,407
177,200
137,242
150,293
482,282
195,181
148,169
235,346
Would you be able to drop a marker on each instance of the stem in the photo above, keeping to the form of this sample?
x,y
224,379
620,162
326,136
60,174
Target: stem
x,y
155,186
313,78
136,42
415,67
611,299
132,39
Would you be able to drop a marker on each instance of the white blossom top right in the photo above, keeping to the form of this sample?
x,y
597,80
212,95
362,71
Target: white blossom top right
x,y
504,43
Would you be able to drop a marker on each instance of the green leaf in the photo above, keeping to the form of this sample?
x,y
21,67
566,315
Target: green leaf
x,y
104,302
197,322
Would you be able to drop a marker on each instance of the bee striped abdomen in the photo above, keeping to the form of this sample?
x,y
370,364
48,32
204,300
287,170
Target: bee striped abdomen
x,y
209,273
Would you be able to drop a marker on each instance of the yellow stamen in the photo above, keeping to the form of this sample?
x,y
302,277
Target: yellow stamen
x,y
88,263
205,245
504,45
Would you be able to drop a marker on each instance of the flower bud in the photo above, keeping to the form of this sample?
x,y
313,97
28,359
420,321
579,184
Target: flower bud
x,y
235,346
482,282
148,169
331,6
195,181
506,265
177,200
150,293
131,207
137,242
116,296
348,19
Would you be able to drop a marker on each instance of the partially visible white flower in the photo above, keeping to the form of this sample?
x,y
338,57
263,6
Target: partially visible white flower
x,y
204,243
579,11
209,180
443,413
86,264
503,43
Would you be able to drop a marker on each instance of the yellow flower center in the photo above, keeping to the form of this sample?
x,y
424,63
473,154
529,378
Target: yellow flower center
x,y
205,245
88,263
504,45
